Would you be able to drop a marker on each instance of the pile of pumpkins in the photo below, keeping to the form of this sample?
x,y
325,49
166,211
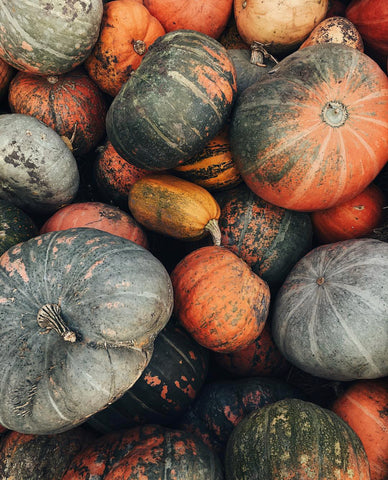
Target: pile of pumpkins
x,y
193,239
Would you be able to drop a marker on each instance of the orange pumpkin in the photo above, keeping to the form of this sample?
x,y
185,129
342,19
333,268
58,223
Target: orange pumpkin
x,y
96,215
364,407
127,30
205,16
219,300
352,219
71,104
6,74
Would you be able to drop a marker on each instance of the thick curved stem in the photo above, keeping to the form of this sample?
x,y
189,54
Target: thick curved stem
x,y
213,228
49,317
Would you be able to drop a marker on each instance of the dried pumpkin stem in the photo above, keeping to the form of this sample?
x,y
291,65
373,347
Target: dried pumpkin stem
x,y
49,317
139,46
213,228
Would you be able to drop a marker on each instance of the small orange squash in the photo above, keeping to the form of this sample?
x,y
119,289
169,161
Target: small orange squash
x,y
174,206
219,300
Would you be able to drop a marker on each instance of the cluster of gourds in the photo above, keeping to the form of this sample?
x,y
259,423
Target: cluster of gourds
x,y
193,239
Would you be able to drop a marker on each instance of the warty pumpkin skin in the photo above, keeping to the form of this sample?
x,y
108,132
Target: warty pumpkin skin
x,y
294,439
219,300
81,308
314,133
48,37
127,30
175,102
173,206
71,104
329,318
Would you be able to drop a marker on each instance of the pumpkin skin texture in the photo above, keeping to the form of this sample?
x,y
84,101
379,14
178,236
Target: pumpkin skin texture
x,y
296,136
38,172
6,74
34,457
270,239
354,218
71,104
206,16
175,207
191,80
101,216
364,407
127,30
329,317
114,297
67,32
291,439
219,300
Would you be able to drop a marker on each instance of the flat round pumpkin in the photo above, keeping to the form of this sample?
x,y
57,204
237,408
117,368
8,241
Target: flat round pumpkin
x,y
80,309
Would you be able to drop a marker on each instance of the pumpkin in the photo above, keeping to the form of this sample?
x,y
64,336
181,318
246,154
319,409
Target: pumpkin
x,y
6,74
48,38
127,30
270,239
96,215
219,300
329,317
166,388
336,8
309,137
174,206
364,407
293,435
222,404
335,30
34,457
213,168
82,308
261,358
163,116
354,218
371,19
15,226
206,16
280,26
71,104
38,172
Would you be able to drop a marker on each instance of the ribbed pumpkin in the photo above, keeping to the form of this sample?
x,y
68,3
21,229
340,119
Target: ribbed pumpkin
x,y
173,206
270,239
314,133
71,104
38,172
364,407
354,218
6,74
127,30
48,38
329,317
206,16
175,102
80,310
293,438
219,300
101,216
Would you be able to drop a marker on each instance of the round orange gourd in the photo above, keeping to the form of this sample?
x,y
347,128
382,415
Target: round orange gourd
x,y
127,30
175,207
219,300
364,407
352,219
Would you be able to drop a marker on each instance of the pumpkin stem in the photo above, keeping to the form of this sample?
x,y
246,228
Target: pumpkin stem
x,y
320,280
53,79
334,114
259,53
49,317
213,228
139,46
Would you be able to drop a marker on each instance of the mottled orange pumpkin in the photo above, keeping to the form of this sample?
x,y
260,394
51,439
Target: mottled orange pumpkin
x,y
219,300
127,30
6,74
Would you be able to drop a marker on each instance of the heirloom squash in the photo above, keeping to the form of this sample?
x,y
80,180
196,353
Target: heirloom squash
x,y
296,436
314,133
175,102
48,37
38,172
219,300
329,317
81,309
6,74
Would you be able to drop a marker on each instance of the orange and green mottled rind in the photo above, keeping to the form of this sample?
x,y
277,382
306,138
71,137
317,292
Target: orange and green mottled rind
x,y
295,440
